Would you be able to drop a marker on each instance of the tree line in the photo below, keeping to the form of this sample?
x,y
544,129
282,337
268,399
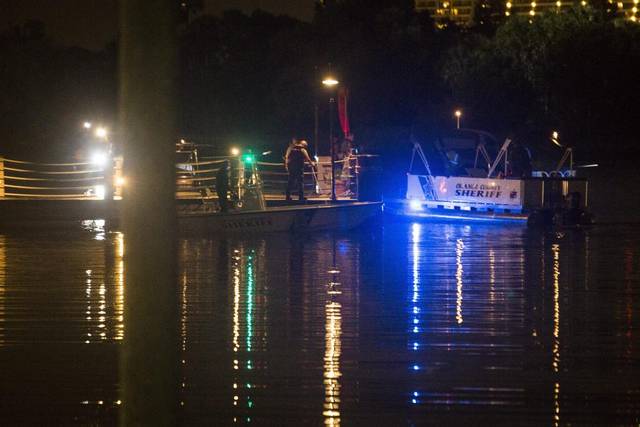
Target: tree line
x,y
255,79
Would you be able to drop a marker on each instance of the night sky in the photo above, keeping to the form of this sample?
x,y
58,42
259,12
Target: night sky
x,y
92,23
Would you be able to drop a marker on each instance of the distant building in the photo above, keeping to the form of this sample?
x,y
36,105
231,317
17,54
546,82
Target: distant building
x,y
461,12
444,11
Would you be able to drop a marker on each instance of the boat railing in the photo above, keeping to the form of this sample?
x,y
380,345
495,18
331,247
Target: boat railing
x,y
195,179
20,179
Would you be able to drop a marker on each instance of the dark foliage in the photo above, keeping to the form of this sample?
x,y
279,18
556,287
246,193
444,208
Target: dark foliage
x,y
254,80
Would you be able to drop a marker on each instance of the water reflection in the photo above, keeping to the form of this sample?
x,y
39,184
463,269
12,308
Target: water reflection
x,y
3,284
555,249
419,324
104,312
333,345
249,336
414,324
459,273
332,373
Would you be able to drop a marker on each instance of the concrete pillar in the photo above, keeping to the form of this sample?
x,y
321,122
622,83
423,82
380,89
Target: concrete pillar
x,y
149,362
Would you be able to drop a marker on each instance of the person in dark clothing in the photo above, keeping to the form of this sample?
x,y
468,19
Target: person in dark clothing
x,y
222,186
294,162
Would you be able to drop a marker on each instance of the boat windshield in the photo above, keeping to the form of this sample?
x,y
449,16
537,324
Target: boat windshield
x,y
461,153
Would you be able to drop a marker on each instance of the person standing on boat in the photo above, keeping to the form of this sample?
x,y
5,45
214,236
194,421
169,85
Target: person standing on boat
x,y
222,186
292,144
294,161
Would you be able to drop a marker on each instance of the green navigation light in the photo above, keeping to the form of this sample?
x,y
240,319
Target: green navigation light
x,y
248,158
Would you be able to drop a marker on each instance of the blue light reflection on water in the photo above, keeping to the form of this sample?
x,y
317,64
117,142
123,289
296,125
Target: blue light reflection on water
x,y
414,311
414,324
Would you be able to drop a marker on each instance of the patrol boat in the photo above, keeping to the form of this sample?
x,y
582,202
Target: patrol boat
x,y
250,213
468,185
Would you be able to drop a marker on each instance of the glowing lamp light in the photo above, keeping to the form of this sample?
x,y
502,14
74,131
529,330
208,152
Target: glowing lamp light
x,y
330,81
415,205
86,125
120,181
101,132
99,158
458,113
235,151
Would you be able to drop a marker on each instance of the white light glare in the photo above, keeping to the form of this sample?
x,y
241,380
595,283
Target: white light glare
x,y
99,158
330,81
101,132
415,205
99,190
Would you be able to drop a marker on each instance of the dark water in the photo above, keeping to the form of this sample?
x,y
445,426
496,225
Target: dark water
x,y
412,324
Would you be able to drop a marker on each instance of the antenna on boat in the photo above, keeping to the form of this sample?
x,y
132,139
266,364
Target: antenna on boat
x,y
480,149
568,154
502,153
417,148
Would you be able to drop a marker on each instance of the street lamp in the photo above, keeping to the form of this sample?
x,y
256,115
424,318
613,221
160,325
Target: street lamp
x,y
458,114
331,82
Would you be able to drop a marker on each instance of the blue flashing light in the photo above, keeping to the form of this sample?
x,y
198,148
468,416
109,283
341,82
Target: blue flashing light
x,y
415,345
415,393
414,401
416,367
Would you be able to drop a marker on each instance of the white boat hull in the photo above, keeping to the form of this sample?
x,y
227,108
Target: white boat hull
x,y
341,216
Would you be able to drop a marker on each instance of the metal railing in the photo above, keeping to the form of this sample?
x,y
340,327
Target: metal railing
x,y
21,179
